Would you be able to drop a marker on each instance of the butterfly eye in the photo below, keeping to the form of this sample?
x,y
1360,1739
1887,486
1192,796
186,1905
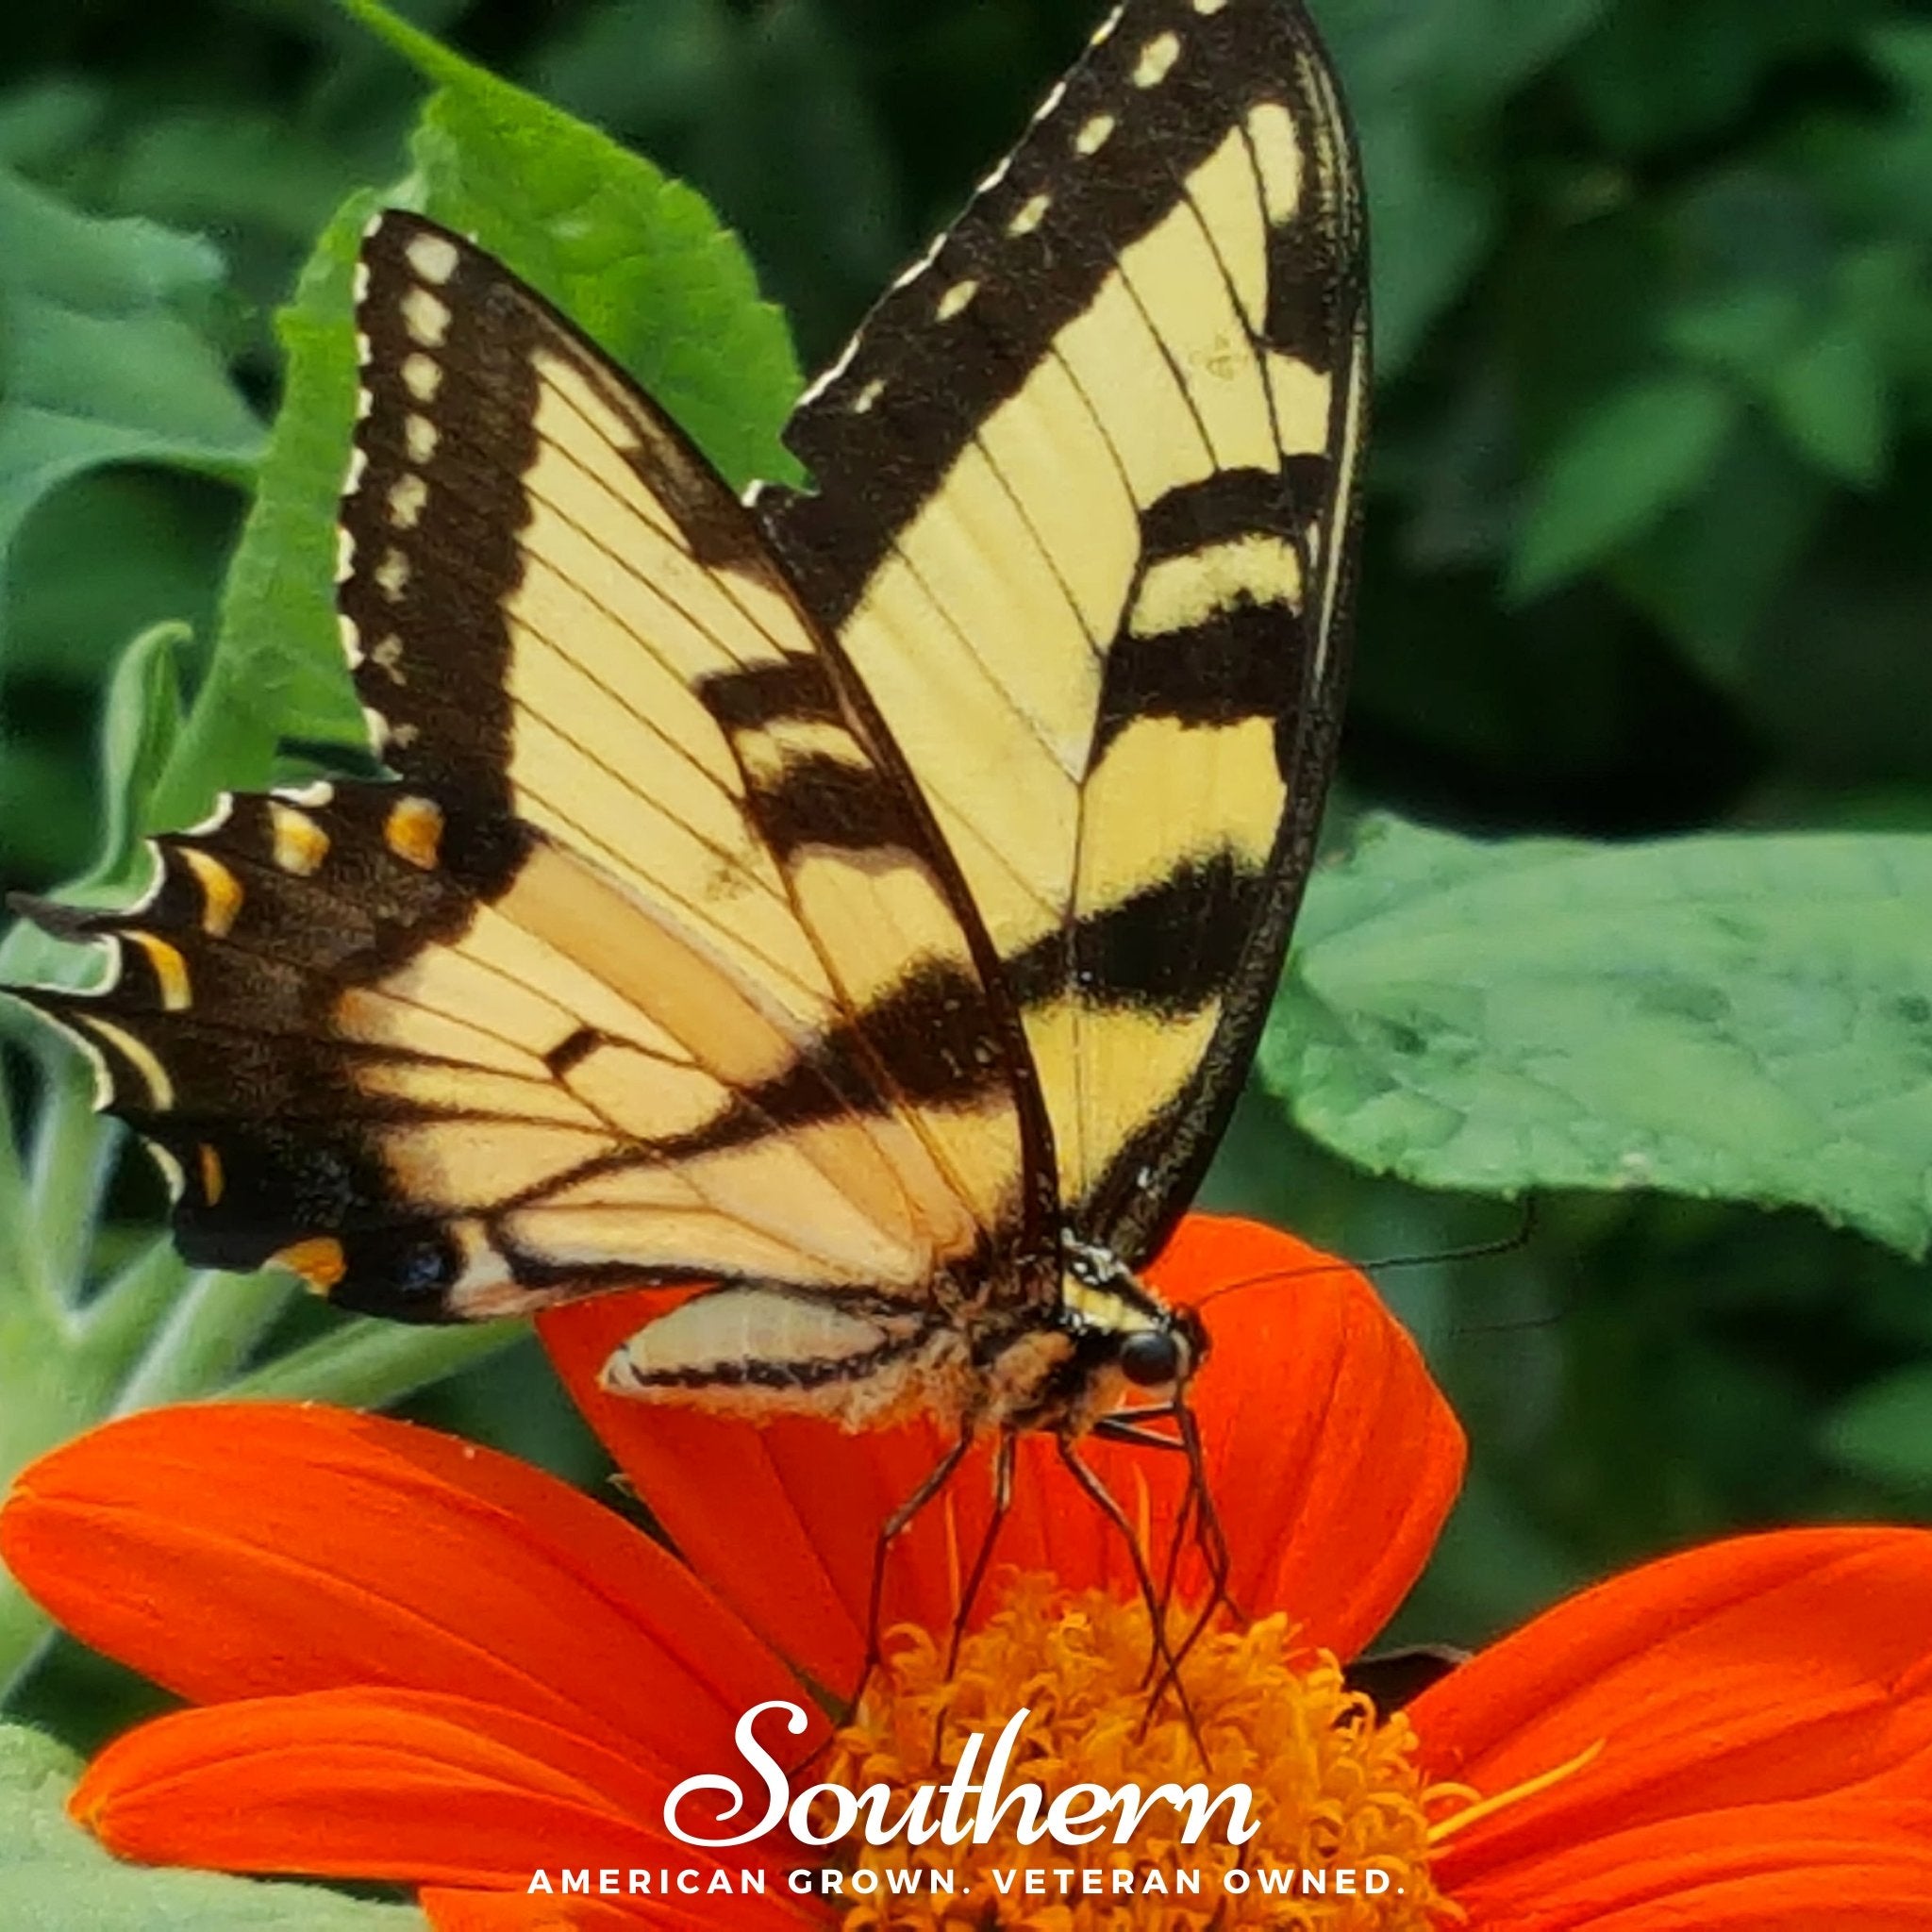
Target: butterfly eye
x,y
1150,1358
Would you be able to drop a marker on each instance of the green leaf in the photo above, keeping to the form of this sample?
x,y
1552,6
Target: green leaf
x,y
59,1879
373,1364
277,670
102,558
140,725
1630,460
1521,38
1832,399
1745,1019
100,361
1884,1433
1711,573
1432,216
637,259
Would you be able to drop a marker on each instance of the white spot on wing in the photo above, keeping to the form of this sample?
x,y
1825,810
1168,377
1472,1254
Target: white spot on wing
x,y
1156,60
924,262
313,795
219,814
815,390
956,298
426,317
864,401
406,501
173,1176
140,1056
433,256
1030,216
419,438
1094,134
422,376
1277,160
389,655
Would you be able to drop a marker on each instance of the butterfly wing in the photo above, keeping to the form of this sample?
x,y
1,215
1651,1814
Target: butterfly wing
x,y
650,969
1086,489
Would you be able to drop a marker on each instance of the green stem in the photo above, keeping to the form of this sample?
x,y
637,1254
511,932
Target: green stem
x,y
372,1364
24,1633
22,1265
113,1325
74,1150
211,1330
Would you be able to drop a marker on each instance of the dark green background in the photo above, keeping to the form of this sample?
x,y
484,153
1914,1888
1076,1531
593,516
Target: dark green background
x,y
1648,552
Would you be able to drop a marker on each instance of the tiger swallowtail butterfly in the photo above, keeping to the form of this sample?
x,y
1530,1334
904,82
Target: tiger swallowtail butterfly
x,y
862,900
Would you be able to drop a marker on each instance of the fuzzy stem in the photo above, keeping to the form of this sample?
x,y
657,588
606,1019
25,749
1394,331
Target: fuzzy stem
x,y
373,1365
212,1328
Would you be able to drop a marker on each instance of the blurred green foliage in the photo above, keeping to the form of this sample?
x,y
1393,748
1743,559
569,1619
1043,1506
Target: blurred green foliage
x,y
1647,554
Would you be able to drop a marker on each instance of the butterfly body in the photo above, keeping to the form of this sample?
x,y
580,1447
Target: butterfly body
x,y
856,904
973,1355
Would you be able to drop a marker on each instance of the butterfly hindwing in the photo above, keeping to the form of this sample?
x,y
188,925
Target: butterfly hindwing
x,y
1086,487
650,968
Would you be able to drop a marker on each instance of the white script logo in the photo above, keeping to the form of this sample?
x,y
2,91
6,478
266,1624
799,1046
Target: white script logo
x,y
1077,1816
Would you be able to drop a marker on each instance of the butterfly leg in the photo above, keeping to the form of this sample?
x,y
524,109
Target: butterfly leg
x,y
1110,1506
1209,1540
1132,1426
982,1562
895,1527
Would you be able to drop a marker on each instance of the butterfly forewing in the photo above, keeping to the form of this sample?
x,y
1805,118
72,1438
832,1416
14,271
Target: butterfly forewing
x,y
650,968
849,896
1085,488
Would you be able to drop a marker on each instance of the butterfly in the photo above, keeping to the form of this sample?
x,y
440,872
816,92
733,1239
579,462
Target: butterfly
x,y
860,900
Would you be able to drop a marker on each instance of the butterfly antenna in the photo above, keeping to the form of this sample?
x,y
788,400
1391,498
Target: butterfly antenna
x,y
1474,1251
1518,1238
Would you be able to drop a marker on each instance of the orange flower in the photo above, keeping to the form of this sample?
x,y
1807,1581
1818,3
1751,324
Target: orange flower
x,y
421,1661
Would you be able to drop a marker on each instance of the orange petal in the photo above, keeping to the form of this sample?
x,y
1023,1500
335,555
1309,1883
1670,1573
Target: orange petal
x,y
1770,1670
414,1787
1811,1866
1332,1457
243,1550
781,1519
1331,1454
372,1784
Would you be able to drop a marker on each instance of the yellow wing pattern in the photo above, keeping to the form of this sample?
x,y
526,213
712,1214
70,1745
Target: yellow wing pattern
x,y
847,894
650,969
1086,483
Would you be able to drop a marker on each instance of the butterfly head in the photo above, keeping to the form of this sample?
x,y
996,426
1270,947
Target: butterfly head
x,y
1127,1347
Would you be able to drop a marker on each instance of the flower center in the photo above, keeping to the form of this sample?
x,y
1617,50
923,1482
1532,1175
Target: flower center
x,y
1334,1789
